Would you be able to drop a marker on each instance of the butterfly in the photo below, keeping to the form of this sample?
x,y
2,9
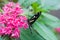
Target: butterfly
x,y
33,19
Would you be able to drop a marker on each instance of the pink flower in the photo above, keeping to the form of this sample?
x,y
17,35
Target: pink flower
x,y
25,25
21,24
8,30
5,31
24,18
15,33
57,29
10,4
2,32
12,20
12,8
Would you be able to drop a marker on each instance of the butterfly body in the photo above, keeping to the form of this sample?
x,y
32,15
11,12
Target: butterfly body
x,y
33,18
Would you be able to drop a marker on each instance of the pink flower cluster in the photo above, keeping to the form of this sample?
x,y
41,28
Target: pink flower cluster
x,y
57,29
11,20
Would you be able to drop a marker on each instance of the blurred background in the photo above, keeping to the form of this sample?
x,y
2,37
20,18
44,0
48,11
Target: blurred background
x,y
44,27
55,13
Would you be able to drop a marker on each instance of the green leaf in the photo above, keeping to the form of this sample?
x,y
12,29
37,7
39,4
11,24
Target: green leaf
x,y
48,16
1,38
35,7
50,4
27,3
50,20
15,1
44,31
27,35
45,4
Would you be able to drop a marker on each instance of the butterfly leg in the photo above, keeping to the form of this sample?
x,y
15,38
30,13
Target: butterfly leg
x,y
30,27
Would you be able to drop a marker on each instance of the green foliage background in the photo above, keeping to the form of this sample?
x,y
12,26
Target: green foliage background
x,y
43,28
